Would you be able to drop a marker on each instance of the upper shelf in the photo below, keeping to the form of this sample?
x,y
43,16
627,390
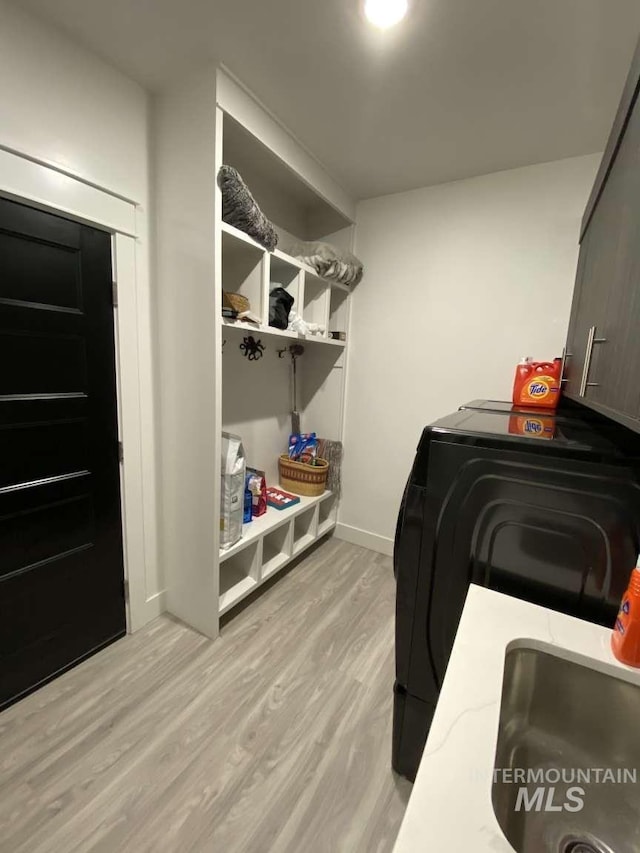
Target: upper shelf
x,y
237,234
242,325
290,187
232,231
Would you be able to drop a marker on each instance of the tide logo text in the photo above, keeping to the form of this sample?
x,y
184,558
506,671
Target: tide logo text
x,y
538,389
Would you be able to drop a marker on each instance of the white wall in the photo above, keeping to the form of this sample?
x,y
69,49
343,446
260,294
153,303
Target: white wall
x,y
188,338
461,280
62,105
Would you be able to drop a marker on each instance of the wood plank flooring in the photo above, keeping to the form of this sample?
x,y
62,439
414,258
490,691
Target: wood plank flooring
x,y
276,737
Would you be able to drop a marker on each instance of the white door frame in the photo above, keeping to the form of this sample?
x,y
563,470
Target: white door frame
x,y
42,185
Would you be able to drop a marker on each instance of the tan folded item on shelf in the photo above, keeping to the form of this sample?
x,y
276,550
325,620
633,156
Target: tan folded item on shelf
x,y
236,301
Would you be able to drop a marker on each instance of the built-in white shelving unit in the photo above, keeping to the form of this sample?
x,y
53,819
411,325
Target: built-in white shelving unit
x,y
208,385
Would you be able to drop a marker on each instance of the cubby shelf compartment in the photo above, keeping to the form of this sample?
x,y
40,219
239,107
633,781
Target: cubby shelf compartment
x,y
327,514
315,307
243,270
305,529
283,270
239,575
276,549
338,311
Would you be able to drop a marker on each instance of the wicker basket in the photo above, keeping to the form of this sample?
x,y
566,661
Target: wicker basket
x,y
236,301
307,480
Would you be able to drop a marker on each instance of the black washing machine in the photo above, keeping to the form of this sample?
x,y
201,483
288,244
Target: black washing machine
x,y
542,506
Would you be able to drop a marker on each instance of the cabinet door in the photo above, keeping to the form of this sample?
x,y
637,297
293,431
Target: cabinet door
x,y
613,267
588,311
604,333
582,309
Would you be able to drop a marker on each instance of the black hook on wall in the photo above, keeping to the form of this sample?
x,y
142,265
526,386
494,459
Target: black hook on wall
x,y
295,351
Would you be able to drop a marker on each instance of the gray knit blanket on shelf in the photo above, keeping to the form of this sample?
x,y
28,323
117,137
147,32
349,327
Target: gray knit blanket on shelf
x,y
240,209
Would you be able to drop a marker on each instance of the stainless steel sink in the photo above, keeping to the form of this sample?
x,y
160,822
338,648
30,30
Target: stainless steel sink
x,y
568,716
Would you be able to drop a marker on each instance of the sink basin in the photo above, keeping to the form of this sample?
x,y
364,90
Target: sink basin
x,y
572,718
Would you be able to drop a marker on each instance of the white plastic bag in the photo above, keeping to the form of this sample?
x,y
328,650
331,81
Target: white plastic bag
x,y
232,477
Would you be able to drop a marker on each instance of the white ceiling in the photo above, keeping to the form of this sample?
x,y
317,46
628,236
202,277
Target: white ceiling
x,y
460,88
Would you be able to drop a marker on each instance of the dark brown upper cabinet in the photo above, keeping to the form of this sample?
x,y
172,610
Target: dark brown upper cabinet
x,y
602,366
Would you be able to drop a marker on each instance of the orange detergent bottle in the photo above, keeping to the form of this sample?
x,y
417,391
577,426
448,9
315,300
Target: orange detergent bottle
x,y
625,639
537,383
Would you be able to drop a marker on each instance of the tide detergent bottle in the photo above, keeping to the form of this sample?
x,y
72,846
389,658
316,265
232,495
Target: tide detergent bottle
x,y
537,383
625,639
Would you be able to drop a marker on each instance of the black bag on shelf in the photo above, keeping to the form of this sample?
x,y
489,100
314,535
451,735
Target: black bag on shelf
x,y
280,303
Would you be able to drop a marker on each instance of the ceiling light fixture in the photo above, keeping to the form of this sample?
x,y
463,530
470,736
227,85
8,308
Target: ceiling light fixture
x,y
385,13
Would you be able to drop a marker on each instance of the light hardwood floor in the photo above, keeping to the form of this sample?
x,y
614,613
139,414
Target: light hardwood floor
x,y
277,737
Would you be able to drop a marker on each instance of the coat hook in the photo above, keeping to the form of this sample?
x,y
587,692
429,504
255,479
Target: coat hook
x,y
251,348
295,350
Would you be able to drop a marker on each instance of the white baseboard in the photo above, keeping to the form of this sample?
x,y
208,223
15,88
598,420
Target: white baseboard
x,y
372,541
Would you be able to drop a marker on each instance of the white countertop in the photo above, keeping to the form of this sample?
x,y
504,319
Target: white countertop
x,y
451,797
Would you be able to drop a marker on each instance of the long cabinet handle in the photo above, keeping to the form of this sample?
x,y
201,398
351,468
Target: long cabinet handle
x,y
565,356
591,340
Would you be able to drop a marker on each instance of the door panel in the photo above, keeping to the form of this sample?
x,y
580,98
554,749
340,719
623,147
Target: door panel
x,y
50,363
37,450
61,563
29,535
40,274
